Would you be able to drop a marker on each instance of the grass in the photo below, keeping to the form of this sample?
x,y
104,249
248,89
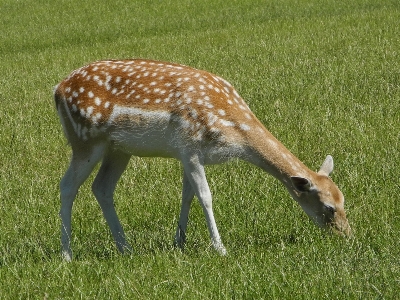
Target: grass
x,y
323,76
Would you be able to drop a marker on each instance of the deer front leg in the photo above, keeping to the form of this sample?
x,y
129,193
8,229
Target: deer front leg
x,y
81,165
112,167
194,170
187,197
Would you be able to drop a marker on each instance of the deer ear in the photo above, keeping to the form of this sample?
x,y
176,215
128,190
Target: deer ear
x,y
327,166
301,184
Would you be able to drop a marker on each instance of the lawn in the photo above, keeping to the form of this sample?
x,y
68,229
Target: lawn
x,y
324,78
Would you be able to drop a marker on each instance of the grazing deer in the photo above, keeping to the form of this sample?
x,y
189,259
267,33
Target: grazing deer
x,y
111,110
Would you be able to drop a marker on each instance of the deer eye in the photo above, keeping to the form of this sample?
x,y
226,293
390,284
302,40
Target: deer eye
x,y
330,209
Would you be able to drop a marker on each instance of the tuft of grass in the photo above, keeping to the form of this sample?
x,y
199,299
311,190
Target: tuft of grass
x,y
323,76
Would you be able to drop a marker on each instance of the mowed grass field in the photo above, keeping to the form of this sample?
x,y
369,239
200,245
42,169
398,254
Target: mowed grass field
x,y
323,76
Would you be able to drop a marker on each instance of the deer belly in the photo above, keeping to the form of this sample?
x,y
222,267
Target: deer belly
x,y
152,141
141,133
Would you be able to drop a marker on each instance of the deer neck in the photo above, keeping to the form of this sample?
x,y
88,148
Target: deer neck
x,y
273,157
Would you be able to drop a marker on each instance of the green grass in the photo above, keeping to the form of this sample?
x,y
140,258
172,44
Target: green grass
x,y
323,76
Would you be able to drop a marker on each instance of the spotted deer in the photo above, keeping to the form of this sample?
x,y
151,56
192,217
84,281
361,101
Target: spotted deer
x,y
111,110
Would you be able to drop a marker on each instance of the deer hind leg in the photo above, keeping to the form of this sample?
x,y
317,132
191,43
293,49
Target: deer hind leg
x,y
82,163
187,197
112,167
196,176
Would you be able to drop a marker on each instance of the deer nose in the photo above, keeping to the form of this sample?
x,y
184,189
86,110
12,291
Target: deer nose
x,y
342,227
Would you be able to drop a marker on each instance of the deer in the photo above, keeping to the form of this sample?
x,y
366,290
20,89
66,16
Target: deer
x,y
111,110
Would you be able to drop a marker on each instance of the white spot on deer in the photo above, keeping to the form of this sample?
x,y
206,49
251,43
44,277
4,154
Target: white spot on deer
x,y
96,118
97,101
221,112
193,114
227,123
89,111
130,94
107,104
199,134
211,118
244,127
209,105
90,94
118,79
97,79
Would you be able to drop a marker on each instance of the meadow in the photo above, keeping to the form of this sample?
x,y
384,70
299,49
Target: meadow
x,y
322,75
